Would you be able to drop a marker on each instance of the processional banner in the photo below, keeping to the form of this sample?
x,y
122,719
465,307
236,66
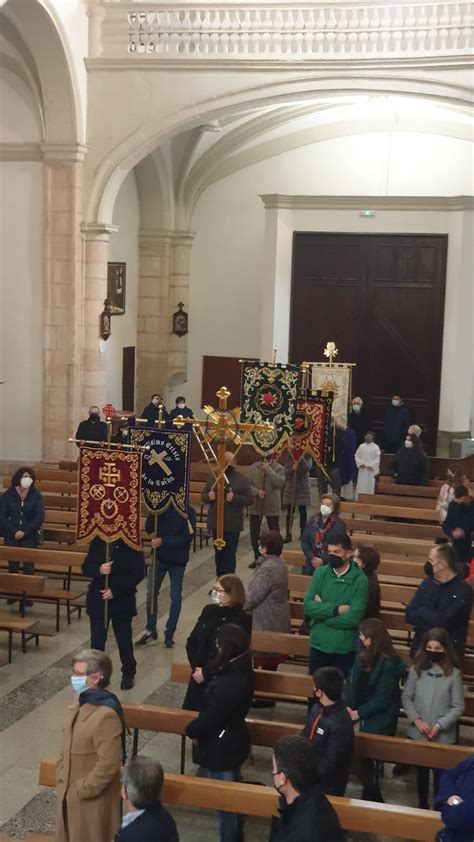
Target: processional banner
x,y
165,468
335,378
109,495
269,393
312,428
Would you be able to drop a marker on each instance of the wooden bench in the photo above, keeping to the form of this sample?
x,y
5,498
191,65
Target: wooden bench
x,y
22,626
397,500
406,513
63,563
388,570
32,587
387,486
262,801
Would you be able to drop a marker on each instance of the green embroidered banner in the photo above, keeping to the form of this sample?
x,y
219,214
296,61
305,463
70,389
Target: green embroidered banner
x,y
269,393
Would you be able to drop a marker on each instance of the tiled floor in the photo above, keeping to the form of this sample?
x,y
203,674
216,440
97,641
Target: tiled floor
x,y
34,694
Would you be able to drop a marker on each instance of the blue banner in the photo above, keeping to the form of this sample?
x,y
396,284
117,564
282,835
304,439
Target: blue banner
x,y
165,468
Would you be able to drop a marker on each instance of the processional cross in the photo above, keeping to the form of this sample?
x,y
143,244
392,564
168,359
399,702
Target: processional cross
x,y
220,425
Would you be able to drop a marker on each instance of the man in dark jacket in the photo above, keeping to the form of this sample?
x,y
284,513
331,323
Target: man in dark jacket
x,y
454,799
172,541
305,813
238,495
395,425
92,429
443,600
359,420
125,570
459,523
331,731
152,410
181,409
146,819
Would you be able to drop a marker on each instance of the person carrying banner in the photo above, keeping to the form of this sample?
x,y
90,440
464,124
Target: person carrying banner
x,y
267,478
124,570
238,495
172,542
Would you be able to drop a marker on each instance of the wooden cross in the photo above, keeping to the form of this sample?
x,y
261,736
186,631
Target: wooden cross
x,y
220,425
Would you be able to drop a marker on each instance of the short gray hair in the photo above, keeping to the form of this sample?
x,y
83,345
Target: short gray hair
x,y
96,661
143,781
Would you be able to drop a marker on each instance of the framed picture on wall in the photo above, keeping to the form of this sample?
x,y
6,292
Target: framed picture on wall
x,y
116,278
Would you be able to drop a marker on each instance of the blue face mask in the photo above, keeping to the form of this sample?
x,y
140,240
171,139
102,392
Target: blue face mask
x,y
79,683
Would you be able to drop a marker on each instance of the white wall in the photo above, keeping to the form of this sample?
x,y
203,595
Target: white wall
x,y
21,278
123,247
227,257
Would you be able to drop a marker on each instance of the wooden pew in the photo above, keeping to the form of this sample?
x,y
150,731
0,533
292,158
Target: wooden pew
x,y
358,527
406,513
390,569
397,500
386,487
253,800
32,587
22,626
54,562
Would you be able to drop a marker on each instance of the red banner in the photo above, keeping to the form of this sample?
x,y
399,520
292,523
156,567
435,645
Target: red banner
x,y
312,429
109,495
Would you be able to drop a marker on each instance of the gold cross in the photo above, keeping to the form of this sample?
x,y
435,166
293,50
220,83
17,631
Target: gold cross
x,y
159,459
110,475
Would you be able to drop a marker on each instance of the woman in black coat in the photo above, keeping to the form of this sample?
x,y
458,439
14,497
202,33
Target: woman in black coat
x,y
220,737
367,558
125,570
228,598
410,464
21,515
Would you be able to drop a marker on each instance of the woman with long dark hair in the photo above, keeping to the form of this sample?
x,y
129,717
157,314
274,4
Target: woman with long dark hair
x,y
368,559
227,606
372,693
410,464
219,734
433,698
21,515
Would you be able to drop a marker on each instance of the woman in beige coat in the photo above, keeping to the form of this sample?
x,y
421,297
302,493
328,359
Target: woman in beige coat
x,y
88,790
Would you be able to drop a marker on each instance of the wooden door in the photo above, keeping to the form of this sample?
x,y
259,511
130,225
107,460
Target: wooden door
x,y
128,378
217,372
381,299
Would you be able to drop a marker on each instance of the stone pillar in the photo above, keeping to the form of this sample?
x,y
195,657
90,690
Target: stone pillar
x,y
163,281
62,294
93,387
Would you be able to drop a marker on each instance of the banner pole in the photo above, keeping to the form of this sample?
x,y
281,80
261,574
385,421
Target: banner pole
x,y
107,546
292,499
153,568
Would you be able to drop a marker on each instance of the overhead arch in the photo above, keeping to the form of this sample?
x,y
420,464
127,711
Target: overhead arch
x,y
127,154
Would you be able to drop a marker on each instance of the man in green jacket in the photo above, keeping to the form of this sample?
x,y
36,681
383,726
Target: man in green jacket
x,y
335,604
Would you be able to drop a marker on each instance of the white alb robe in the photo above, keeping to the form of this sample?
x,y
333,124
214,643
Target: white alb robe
x,y
367,458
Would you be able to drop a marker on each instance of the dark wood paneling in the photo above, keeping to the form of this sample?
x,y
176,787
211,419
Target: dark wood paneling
x,y
128,378
217,372
381,299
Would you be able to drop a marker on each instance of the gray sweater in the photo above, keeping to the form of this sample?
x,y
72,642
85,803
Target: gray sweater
x,y
435,698
272,481
267,595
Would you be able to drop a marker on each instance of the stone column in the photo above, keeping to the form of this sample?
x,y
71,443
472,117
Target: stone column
x,y
93,386
62,294
163,281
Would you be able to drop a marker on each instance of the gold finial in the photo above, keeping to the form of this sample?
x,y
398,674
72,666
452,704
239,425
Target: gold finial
x,y
223,393
330,351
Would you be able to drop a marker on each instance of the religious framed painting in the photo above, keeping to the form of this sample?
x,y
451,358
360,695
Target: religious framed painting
x,y
116,280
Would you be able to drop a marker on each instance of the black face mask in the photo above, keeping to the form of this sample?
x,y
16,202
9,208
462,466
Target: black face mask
x,y
434,657
93,416
336,561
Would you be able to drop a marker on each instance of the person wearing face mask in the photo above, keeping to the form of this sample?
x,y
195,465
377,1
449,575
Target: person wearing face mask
x,y
227,606
296,492
368,559
443,599
88,773
358,420
152,410
330,729
395,425
322,528
92,429
181,409
306,815
454,478
459,523
220,736
21,516
372,694
367,459
335,604
410,465
121,436
238,495
433,699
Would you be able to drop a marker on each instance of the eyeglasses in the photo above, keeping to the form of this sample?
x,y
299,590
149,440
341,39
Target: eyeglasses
x,y
278,772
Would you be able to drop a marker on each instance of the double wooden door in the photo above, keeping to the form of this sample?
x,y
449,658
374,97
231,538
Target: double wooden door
x,y
381,299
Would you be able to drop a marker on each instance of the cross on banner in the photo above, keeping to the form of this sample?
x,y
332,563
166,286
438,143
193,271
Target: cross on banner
x,y
221,425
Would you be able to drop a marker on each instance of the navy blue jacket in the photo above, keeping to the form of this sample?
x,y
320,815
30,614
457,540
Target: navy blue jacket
x,y
395,425
128,570
446,605
458,820
151,414
336,532
176,534
154,825
186,413
460,516
333,740
21,515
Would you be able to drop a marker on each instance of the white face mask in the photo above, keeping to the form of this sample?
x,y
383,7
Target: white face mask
x,y
215,597
181,405
325,510
155,401
26,482
356,407
408,443
395,403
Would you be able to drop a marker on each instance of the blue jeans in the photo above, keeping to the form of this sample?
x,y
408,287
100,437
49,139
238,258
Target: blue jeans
x,y
176,574
231,825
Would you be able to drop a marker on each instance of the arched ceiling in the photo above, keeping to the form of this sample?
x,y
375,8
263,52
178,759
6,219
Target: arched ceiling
x,y
195,159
